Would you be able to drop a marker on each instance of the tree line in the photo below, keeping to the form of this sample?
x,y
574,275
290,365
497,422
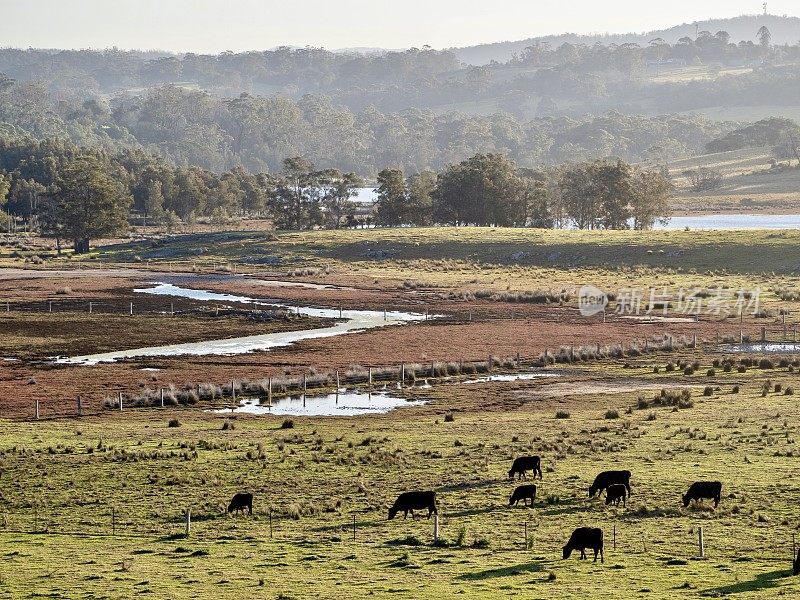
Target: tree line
x,y
490,189
75,194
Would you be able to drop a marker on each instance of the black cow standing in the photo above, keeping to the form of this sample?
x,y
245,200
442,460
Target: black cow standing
x,y
408,502
608,478
615,493
585,537
240,502
703,489
526,463
524,493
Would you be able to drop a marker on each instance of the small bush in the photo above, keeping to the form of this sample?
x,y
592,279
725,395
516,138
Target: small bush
x,y
778,388
449,418
741,369
735,389
228,425
711,373
708,391
480,544
765,363
651,416
688,371
656,369
670,367
287,424
612,413
174,423
562,414
789,391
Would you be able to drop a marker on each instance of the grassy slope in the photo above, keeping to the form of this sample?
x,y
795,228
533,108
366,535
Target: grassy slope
x,y
681,251
328,470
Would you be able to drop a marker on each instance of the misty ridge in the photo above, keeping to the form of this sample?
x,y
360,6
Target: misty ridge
x,y
417,109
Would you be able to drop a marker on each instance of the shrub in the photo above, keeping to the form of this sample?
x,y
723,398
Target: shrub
x,y
711,372
789,391
735,389
688,371
228,425
778,388
726,368
708,391
765,363
741,369
287,424
449,418
656,369
651,416
174,423
670,367
480,543
562,414
612,413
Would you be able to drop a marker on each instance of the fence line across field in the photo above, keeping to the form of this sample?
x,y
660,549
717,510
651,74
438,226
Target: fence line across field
x,y
620,538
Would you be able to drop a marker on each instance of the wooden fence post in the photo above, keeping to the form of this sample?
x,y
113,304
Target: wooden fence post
x,y
615,537
763,334
435,528
49,306
269,403
337,382
90,308
120,400
369,378
162,397
131,308
188,522
402,375
233,390
37,409
700,542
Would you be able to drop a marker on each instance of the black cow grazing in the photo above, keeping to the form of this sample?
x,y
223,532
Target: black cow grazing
x,y
585,537
526,463
408,502
615,493
524,493
703,489
240,502
607,478
796,564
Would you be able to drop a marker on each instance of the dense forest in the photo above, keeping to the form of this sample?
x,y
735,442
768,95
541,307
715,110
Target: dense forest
x,y
196,128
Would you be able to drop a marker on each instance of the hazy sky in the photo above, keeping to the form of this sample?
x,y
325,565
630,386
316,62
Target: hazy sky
x,y
218,25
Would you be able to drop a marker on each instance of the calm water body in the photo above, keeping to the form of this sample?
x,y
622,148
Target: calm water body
x,y
351,321
344,404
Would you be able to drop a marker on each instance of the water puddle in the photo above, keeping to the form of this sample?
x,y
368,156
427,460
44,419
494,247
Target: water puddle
x,y
507,378
348,321
344,404
766,347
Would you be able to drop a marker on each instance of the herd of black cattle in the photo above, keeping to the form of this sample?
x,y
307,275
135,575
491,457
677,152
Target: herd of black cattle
x,y
616,484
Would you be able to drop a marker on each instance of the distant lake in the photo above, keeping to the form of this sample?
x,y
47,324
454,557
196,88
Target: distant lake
x,y
367,196
727,221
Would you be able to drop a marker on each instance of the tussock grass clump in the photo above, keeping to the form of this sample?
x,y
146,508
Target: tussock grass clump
x,y
287,424
612,413
562,414
174,423
449,418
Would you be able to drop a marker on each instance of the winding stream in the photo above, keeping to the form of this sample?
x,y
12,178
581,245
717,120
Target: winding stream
x,y
351,321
